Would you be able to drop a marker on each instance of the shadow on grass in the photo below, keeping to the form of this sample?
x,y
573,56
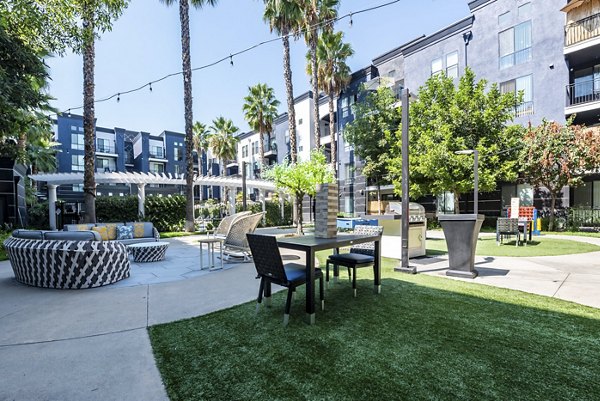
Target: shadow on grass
x,y
423,337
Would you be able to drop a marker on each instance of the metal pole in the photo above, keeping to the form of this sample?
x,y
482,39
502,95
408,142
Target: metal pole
x,y
476,179
405,185
244,186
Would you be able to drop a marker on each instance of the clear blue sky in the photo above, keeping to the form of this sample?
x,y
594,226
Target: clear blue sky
x,y
145,45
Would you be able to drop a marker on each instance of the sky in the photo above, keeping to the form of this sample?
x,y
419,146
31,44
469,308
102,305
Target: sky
x,y
145,44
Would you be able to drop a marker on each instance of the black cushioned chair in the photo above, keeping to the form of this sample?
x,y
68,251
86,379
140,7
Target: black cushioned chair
x,y
271,269
361,255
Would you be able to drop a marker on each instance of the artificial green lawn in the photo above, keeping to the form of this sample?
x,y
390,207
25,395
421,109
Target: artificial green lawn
x,y
540,246
176,234
423,337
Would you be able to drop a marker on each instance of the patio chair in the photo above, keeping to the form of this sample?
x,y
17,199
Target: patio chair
x,y
271,270
225,225
507,227
236,242
361,255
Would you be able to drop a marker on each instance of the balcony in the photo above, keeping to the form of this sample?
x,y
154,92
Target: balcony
x,y
271,150
105,148
582,30
157,153
583,93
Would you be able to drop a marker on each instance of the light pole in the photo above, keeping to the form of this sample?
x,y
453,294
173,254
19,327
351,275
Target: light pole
x,y
475,153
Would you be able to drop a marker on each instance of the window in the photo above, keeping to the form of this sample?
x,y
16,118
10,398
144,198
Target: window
x,y
77,187
391,73
156,168
523,191
177,153
587,195
300,121
77,163
177,169
77,141
524,10
586,86
255,150
349,172
504,19
436,66
452,65
157,152
105,165
515,45
103,146
245,151
521,85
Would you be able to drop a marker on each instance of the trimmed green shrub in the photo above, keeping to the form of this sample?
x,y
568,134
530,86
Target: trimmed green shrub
x,y
166,213
38,216
111,209
273,216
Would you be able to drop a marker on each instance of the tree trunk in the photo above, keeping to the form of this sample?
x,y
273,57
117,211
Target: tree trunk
x,y
22,148
187,101
287,74
315,87
89,158
261,143
332,134
552,207
298,203
456,203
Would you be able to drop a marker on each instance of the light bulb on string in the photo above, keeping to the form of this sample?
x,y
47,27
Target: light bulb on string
x,y
351,21
69,113
118,97
150,85
231,60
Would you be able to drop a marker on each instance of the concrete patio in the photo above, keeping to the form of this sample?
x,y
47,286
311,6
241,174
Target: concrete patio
x,y
93,344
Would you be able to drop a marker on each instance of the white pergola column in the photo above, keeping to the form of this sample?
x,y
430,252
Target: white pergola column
x,y
52,205
261,198
141,195
282,205
232,200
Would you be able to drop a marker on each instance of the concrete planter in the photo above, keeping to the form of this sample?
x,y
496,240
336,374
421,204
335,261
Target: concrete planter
x,y
326,209
461,232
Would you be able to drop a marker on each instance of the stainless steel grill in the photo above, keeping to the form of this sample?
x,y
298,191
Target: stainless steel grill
x,y
416,212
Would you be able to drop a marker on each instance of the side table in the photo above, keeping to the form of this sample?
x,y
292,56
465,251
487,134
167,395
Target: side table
x,y
148,251
210,245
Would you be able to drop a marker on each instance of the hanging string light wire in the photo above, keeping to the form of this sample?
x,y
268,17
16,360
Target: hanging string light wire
x,y
230,56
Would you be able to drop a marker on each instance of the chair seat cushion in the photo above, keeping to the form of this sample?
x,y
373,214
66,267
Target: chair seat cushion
x,y
297,272
351,258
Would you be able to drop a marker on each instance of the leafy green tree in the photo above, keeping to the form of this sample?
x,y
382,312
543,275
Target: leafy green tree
x,y
260,109
376,119
184,18
556,155
445,119
333,76
318,16
301,179
284,17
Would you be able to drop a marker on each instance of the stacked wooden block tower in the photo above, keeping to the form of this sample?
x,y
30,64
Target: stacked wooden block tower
x,y
326,209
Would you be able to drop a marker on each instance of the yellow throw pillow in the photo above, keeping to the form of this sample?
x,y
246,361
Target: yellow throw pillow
x,y
103,231
82,227
138,230
111,231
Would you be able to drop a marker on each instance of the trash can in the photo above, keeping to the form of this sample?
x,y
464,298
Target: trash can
x,y
461,232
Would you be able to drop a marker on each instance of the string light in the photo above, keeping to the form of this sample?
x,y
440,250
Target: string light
x,y
231,55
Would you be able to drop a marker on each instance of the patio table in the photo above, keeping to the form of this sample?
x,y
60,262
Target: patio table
x,y
310,245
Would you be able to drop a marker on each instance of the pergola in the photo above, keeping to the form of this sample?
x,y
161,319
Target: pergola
x,y
140,180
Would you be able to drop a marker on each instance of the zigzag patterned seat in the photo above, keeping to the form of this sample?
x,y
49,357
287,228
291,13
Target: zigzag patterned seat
x,y
67,264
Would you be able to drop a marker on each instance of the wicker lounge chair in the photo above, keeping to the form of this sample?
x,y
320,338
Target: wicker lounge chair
x,y
236,243
225,225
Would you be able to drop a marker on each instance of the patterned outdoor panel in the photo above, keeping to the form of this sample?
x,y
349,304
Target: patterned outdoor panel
x,y
367,248
67,264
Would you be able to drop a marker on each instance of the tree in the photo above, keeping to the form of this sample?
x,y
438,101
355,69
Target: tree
x,y
222,142
555,155
445,119
300,179
318,15
260,109
333,76
284,17
372,131
184,19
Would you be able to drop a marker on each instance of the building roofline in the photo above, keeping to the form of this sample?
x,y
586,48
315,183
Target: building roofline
x,y
475,4
439,35
382,58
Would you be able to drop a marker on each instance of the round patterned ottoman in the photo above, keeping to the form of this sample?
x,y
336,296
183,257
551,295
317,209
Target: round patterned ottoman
x,y
148,251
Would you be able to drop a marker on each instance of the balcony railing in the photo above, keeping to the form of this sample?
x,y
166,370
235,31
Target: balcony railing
x,y
583,92
157,153
583,29
102,148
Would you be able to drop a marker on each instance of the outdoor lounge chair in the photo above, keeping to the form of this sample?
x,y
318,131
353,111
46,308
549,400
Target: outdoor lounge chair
x,y
507,227
361,255
271,270
236,243
225,225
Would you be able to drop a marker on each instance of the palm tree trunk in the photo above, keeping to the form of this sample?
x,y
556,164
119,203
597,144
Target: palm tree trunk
x,y
187,100
89,158
315,86
332,134
261,142
289,89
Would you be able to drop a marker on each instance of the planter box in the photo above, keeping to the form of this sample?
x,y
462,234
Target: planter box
x,y
461,232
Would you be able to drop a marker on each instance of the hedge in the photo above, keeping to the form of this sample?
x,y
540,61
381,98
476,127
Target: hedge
x,y
38,216
166,213
273,209
112,209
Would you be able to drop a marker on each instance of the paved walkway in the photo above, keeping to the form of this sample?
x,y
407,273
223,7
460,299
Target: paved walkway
x,y
93,344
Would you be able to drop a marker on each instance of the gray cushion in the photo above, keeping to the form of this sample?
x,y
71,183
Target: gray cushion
x,y
148,228
73,235
135,240
78,227
28,234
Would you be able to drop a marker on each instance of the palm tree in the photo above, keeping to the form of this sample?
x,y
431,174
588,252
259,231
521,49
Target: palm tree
x,y
222,142
260,110
284,17
334,76
184,18
317,13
